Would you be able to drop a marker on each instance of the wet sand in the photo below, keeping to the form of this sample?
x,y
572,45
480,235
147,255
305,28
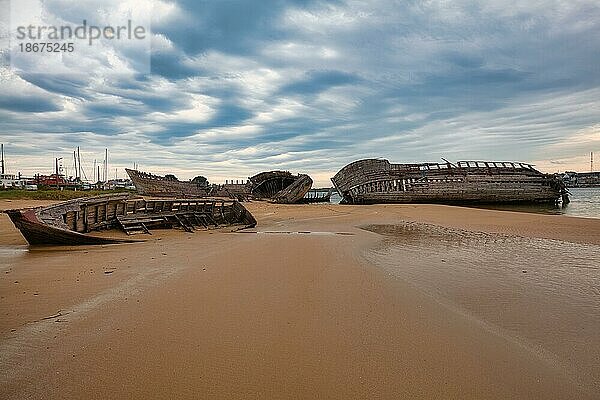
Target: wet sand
x,y
299,309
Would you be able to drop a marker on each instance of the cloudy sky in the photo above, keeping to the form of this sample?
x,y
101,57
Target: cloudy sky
x,y
237,87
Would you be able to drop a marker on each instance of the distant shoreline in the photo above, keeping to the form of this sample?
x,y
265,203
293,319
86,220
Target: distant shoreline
x,y
52,194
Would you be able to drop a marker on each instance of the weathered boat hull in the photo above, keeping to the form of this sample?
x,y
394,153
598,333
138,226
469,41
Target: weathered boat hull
x,y
276,186
153,185
70,223
280,186
378,181
38,233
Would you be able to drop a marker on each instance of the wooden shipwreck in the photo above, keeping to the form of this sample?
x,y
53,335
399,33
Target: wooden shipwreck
x,y
379,181
164,186
280,186
318,196
70,223
276,186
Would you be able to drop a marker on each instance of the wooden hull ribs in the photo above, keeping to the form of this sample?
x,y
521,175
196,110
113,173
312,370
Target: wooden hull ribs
x,y
280,186
373,181
70,223
148,184
275,186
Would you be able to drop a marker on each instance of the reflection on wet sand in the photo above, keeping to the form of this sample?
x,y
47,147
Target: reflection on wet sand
x,y
543,294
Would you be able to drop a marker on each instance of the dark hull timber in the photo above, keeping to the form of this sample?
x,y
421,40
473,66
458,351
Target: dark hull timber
x,y
374,181
280,186
154,185
276,186
70,223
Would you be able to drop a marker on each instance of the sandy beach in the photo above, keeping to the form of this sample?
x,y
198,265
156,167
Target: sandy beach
x,y
318,301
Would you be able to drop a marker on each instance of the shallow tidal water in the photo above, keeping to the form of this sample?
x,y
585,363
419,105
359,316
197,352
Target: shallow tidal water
x,y
540,294
584,202
11,254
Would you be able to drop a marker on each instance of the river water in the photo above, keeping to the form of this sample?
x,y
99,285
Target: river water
x,y
585,202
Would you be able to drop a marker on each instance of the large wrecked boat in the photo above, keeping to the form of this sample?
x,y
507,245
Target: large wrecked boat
x,y
373,181
166,186
276,186
70,223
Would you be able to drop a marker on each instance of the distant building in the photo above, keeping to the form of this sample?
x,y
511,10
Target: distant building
x,y
50,180
11,181
581,179
119,184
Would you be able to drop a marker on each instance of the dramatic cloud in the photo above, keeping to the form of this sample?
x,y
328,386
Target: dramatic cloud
x,y
237,87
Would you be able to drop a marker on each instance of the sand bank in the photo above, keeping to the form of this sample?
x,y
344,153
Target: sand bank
x,y
294,311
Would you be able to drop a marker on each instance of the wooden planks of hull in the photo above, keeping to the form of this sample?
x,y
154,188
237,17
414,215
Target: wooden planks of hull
x,y
70,223
276,186
378,181
281,186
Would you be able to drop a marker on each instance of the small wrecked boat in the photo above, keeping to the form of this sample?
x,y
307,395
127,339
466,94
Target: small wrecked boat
x,y
280,186
71,222
276,186
373,181
318,196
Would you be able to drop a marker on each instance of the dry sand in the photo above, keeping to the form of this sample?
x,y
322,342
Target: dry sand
x,y
281,313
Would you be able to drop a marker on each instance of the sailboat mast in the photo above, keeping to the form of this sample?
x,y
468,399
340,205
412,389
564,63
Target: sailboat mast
x,y
105,164
79,164
75,164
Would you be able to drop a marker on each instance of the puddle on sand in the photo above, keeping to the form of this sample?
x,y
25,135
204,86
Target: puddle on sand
x,y
542,292
11,254
297,233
